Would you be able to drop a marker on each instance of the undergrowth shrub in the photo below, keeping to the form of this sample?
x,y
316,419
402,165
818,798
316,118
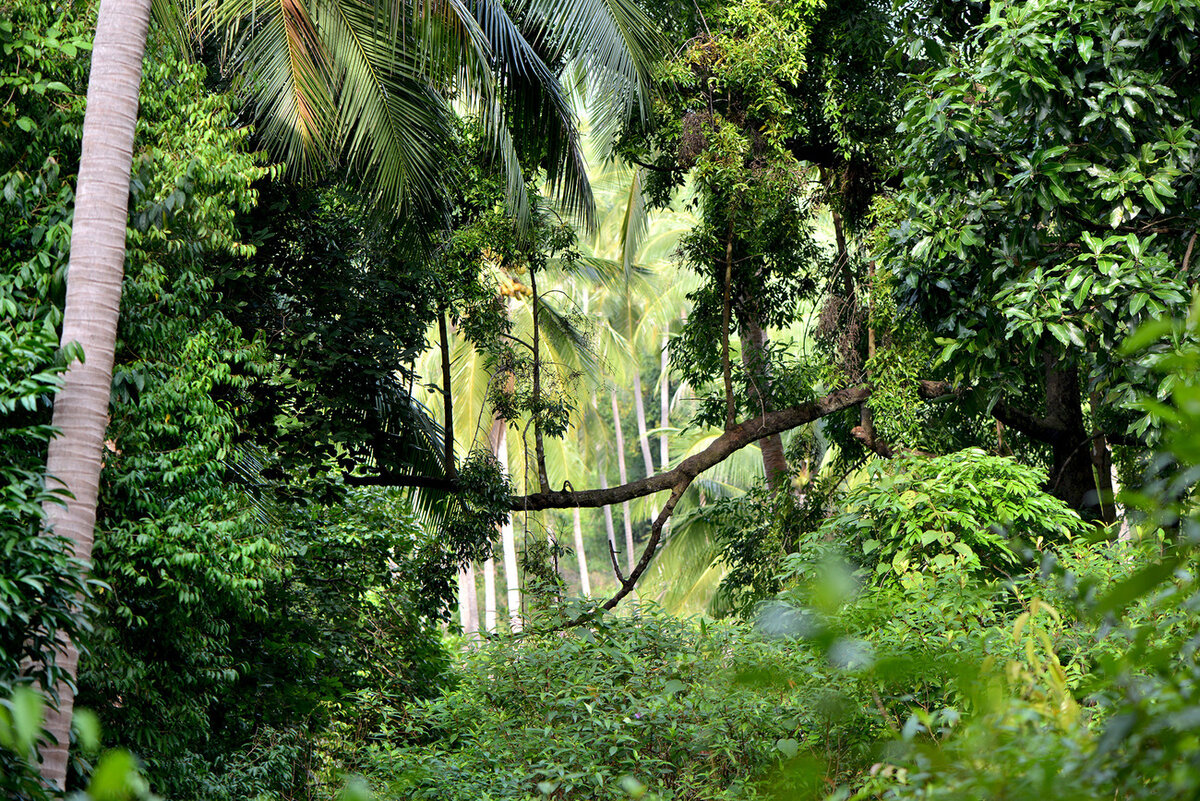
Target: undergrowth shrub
x,y
967,509
687,710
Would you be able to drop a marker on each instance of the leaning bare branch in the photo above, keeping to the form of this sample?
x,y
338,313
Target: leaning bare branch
x,y
721,448
651,549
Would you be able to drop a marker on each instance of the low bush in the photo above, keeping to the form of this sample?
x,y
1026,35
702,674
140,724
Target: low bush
x,y
684,710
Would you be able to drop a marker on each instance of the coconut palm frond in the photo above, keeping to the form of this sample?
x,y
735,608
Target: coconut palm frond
x,y
392,127
532,105
633,224
688,568
610,273
613,43
277,48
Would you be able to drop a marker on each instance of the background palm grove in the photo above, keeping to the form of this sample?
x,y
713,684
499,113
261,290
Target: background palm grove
x,y
599,399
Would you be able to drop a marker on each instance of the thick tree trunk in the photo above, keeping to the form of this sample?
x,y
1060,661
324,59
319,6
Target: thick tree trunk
x,y
754,345
93,301
1071,476
624,480
585,583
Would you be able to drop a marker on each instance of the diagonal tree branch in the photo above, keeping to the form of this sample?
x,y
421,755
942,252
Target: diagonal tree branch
x,y
731,441
656,529
723,447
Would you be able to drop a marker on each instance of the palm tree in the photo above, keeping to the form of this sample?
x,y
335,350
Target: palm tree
x,y
489,595
624,475
509,547
93,300
336,82
585,582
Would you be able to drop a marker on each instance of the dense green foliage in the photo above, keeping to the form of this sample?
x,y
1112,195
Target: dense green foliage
x,y
1049,206
653,699
965,511
977,221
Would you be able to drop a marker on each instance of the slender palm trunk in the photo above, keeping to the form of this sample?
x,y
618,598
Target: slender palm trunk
x,y
447,397
639,399
664,394
585,584
602,470
643,437
489,596
497,442
468,602
608,518
624,476
508,545
93,303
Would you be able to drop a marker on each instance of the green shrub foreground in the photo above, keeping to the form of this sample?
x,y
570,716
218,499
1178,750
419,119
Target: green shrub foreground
x,y
583,713
844,685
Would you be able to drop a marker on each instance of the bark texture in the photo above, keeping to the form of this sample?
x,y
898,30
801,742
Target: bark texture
x,y
721,448
1074,452
468,602
489,596
93,301
754,357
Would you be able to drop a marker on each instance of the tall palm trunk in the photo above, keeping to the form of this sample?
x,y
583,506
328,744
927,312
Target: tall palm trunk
x,y
508,543
664,391
497,442
585,584
93,302
468,602
639,400
489,596
664,381
608,517
624,475
643,438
